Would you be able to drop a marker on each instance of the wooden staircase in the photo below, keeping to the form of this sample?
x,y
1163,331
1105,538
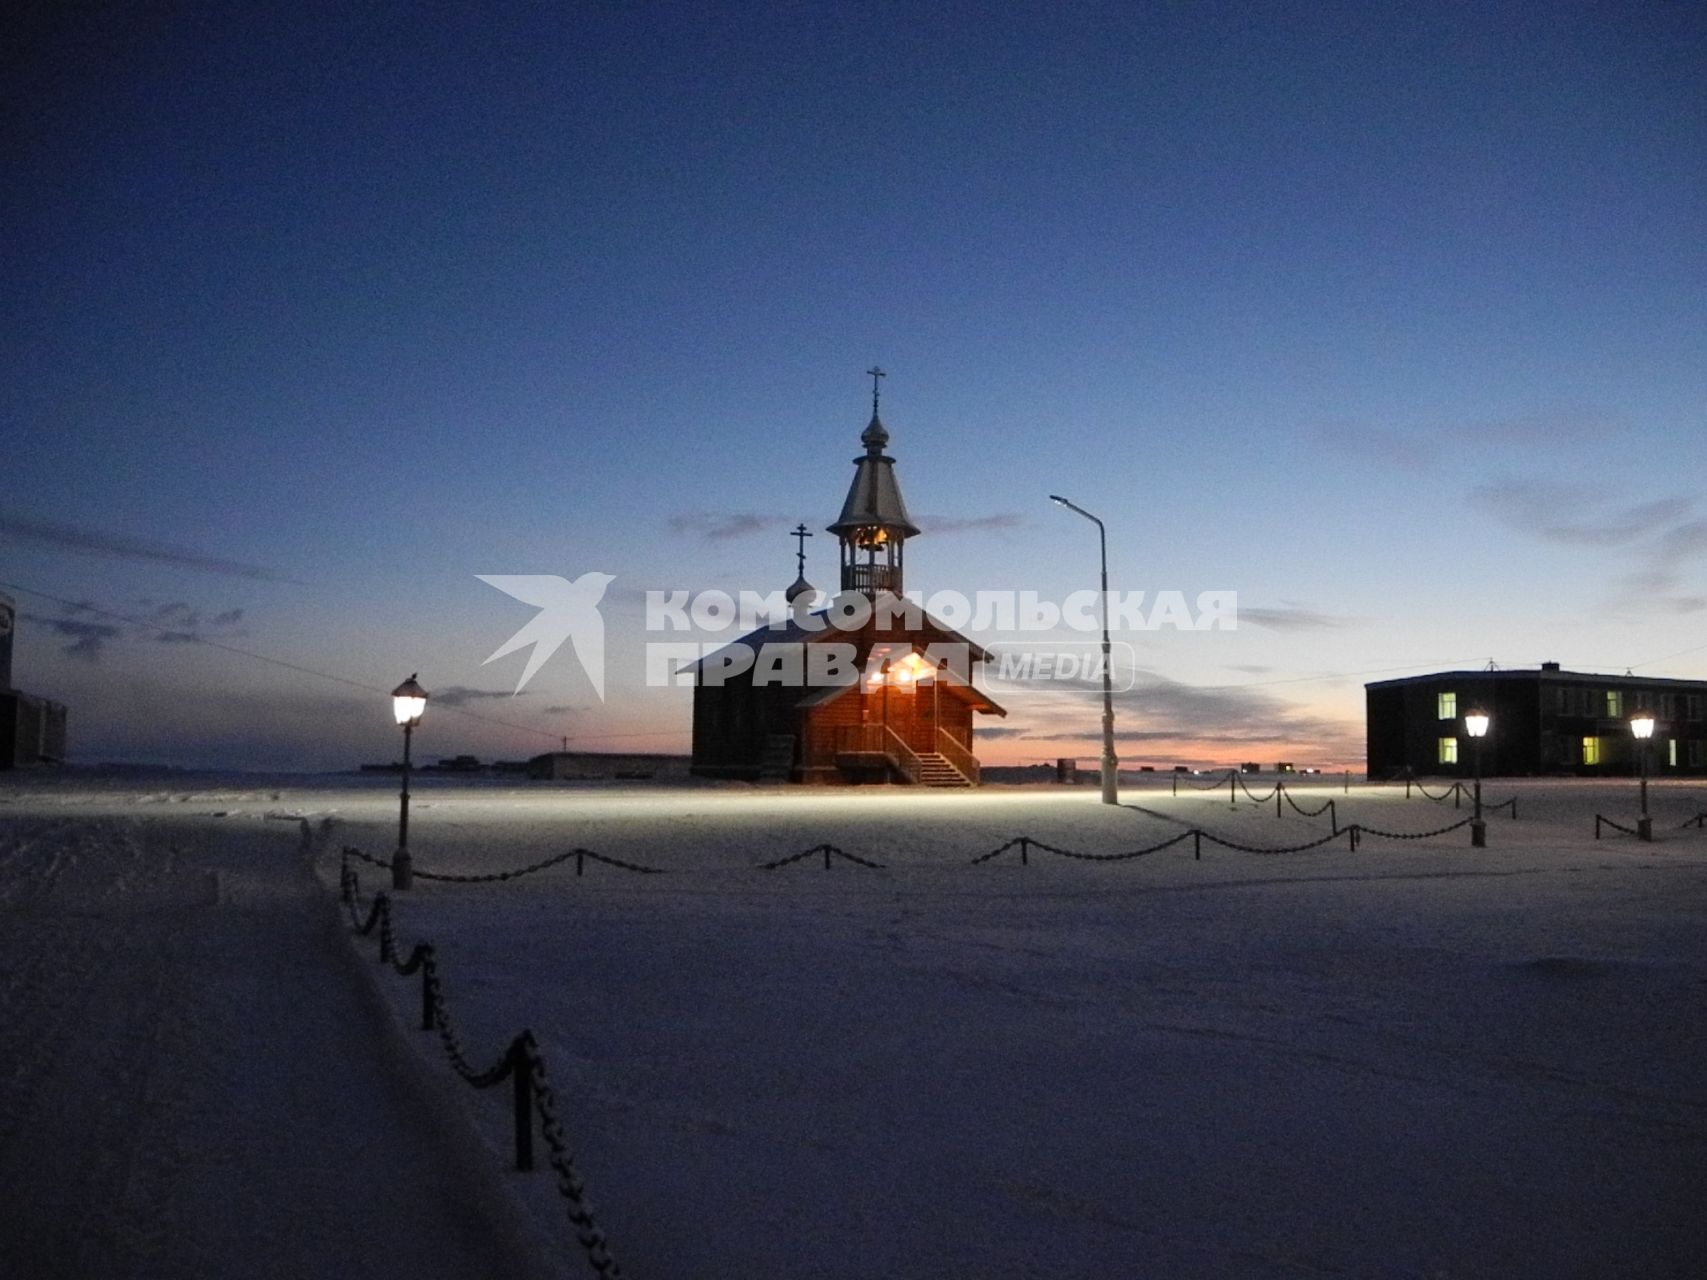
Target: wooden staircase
x,y
777,762
937,770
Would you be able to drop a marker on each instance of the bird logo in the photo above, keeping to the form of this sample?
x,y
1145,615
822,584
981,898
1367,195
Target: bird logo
x,y
567,611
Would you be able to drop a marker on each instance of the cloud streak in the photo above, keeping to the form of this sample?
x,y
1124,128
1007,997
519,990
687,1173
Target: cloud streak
x,y
1190,718
1658,540
90,628
458,695
722,526
65,537
1288,617
995,522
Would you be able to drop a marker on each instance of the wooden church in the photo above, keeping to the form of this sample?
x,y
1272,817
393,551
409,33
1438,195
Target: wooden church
x,y
902,713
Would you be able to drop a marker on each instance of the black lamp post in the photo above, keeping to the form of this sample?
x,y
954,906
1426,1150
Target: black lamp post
x,y
1110,765
408,704
1476,725
1642,725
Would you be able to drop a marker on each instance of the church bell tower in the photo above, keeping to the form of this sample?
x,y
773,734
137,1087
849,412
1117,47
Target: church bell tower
x,y
873,527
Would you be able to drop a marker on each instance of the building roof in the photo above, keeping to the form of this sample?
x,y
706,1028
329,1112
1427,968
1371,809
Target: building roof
x,y
791,632
874,497
1547,671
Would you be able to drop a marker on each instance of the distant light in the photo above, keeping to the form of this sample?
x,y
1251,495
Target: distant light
x,y
409,702
1642,725
1475,722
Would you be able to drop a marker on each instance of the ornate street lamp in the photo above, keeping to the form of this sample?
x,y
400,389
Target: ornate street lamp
x,y
408,704
1110,765
1642,725
1476,725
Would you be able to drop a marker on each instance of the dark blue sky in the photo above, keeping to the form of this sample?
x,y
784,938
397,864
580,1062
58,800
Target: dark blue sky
x,y
1387,317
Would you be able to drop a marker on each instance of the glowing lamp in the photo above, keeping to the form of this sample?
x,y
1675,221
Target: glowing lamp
x,y
1476,722
1642,725
408,703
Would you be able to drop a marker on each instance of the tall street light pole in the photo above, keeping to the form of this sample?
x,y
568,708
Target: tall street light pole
x,y
408,704
1110,765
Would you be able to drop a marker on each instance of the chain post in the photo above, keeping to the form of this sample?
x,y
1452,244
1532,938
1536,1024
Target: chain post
x,y
826,857
1232,788
1176,784
1348,782
580,862
429,967
1407,786
1025,851
1334,816
1277,793
521,1075
1597,826
1196,845
387,945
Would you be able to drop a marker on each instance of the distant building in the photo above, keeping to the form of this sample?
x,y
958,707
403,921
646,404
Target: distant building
x,y
1543,721
32,730
586,766
903,716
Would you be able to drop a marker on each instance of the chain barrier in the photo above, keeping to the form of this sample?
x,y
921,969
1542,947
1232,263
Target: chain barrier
x,y
1245,787
562,1161
1328,806
521,1063
1450,793
1599,821
1248,848
493,877
1206,786
1028,843
829,851
1022,841
1407,835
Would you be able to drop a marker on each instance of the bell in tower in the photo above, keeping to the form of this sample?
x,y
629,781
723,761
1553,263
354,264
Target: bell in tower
x,y
873,527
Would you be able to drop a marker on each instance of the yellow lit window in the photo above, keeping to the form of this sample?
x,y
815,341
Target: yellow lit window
x,y
1671,753
1448,709
1448,747
1591,750
1614,703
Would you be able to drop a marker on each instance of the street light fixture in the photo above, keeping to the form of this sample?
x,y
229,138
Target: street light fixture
x,y
408,704
1642,725
1110,765
1476,725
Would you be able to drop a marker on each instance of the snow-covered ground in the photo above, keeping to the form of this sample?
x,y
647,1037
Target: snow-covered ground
x,y
1417,1059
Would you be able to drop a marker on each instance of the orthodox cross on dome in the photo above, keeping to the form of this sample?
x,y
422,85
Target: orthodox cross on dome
x,y
800,534
874,373
800,587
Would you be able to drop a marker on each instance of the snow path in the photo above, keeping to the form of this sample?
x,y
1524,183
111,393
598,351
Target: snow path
x,y
192,1080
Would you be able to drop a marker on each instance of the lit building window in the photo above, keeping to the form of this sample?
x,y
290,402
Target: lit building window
x,y
1614,703
1591,750
1448,746
1448,707
1671,753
